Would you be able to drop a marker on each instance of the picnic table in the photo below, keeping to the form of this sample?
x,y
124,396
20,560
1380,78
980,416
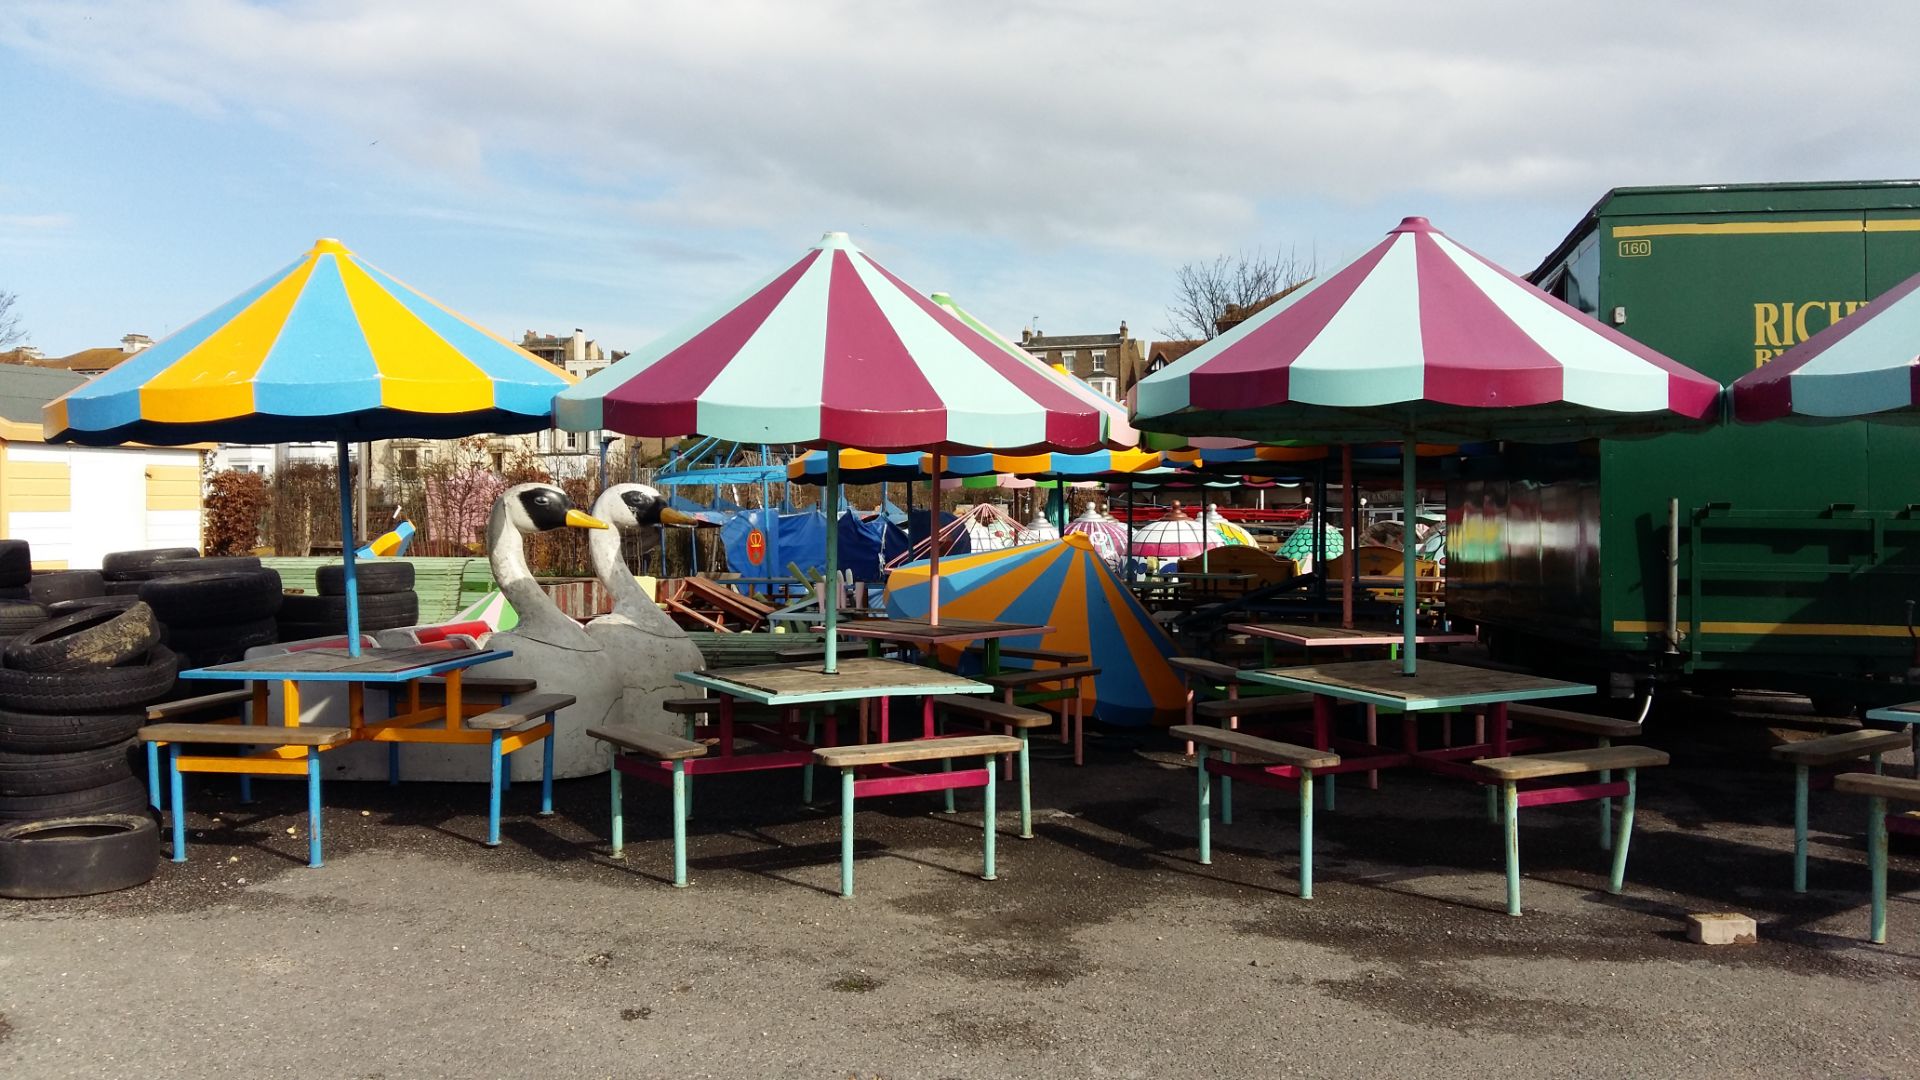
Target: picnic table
x,y
1313,637
926,636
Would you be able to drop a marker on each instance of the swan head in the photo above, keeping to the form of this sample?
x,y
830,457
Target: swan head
x,y
636,506
533,508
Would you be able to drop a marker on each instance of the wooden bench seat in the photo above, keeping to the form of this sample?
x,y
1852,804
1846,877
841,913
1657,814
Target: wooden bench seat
x,y
1509,772
657,745
1210,670
244,734
1020,720
526,710
1571,762
1223,709
893,753
1879,791
1578,723
1839,749
1250,747
850,759
1048,656
226,703
1021,680
1251,761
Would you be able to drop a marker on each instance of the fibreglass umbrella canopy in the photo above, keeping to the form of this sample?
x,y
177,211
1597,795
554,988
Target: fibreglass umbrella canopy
x,y
330,348
1064,584
1175,536
856,467
834,350
1120,431
1108,537
1865,366
863,467
1420,335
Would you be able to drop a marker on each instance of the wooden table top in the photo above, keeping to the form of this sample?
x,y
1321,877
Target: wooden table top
x,y
1313,635
1434,686
338,665
920,631
858,677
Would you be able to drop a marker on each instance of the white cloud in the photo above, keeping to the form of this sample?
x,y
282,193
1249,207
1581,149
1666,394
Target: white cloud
x,y
1132,126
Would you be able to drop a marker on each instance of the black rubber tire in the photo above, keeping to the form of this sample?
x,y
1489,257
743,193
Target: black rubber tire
x,y
20,618
78,855
135,565
15,594
52,587
84,603
210,564
201,646
300,631
16,563
98,637
332,610
55,774
124,588
128,796
96,691
55,733
373,576
208,599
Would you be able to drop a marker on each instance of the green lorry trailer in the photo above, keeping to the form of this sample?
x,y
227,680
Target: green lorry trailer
x,y
1776,556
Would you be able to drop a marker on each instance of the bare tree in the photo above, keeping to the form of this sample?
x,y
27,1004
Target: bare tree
x,y
10,332
1203,291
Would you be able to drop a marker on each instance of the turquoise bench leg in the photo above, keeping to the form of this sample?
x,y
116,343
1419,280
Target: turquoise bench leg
x,y
1306,834
679,824
154,798
1510,809
990,821
177,796
313,806
1800,782
1618,879
1206,808
619,814
806,771
946,765
546,768
1329,788
493,790
1877,866
1026,789
1606,804
846,832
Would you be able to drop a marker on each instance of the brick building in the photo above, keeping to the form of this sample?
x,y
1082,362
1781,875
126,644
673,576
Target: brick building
x,y
1111,363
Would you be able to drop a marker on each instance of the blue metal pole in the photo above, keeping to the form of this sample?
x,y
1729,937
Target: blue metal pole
x,y
1410,500
346,551
313,805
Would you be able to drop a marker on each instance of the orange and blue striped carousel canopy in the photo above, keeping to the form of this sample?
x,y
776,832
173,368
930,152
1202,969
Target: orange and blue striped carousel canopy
x,y
328,349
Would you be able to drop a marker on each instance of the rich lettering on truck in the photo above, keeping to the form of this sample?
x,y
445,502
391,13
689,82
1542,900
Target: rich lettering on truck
x,y
1778,327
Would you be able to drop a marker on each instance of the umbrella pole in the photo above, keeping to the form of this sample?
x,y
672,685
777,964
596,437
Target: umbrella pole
x,y
345,470
1410,500
1346,533
933,540
1129,532
1205,547
830,599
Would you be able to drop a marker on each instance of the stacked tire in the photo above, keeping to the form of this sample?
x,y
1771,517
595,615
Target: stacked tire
x,y
125,571
16,569
73,692
387,601
211,611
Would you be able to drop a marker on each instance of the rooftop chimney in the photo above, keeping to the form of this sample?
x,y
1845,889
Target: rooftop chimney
x,y
133,343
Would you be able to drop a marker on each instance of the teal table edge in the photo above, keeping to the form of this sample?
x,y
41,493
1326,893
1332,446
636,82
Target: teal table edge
x,y
1417,704
1908,713
401,676
749,693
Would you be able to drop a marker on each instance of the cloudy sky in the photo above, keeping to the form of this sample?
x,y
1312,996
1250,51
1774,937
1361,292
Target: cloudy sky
x,y
617,166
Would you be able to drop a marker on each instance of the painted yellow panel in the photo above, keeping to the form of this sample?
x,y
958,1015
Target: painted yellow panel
x,y
1740,228
37,487
173,487
49,564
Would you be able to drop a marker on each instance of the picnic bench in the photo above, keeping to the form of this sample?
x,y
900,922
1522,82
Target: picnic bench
x,y
1879,791
1820,761
1039,685
885,759
1265,762
1524,780
639,752
1017,721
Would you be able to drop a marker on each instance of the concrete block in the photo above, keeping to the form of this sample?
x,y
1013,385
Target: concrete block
x,y
1722,928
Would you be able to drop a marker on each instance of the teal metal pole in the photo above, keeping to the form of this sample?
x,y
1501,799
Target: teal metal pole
x,y
1206,807
1618,879
990,817
1411,500
846,832
1510,810
830,600
1876,865
346,551
1306,833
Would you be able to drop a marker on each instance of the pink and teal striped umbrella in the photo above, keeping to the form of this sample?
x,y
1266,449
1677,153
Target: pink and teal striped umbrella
x,y
1422,335
835,351
1866,366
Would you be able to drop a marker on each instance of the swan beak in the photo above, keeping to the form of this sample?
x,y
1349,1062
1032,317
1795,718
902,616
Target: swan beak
x,y
670,516
584,521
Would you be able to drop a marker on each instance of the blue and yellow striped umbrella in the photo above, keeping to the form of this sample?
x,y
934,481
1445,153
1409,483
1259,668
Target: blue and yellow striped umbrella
x,y
1066,585
327,349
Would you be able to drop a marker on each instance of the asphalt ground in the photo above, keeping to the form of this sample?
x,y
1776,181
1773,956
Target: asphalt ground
x,y
1104,950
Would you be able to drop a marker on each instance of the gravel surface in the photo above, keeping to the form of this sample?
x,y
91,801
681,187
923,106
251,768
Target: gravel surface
x,y
1105,950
